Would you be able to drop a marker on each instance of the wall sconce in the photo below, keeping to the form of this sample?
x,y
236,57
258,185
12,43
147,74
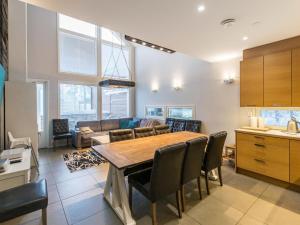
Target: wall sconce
x,y
177,85
154,87
229,79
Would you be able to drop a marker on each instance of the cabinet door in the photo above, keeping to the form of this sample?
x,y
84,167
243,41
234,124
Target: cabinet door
x,y
296,77
295,162
277,79
251,73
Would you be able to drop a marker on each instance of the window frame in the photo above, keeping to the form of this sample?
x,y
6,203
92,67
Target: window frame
x,y
96,39
77,83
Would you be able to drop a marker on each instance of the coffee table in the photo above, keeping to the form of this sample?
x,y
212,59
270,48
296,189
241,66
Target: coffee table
x,y
100,140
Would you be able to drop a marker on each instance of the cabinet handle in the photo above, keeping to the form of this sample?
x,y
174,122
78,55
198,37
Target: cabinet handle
x,y
259,137
260,161
275,105
259,145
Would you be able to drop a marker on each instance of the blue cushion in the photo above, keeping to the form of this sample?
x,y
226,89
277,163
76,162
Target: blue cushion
x,y
133,124
124,124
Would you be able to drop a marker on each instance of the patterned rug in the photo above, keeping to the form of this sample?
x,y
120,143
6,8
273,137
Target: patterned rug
x,y
80,160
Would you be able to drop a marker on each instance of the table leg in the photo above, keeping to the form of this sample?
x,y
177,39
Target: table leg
x,y
115,193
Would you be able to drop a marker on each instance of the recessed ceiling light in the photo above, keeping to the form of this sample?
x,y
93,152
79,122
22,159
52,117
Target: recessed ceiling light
x,y
134,40
169,51
201,8
245,38
161,49
143,43
152,46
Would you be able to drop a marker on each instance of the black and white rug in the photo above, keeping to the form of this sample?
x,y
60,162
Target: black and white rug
x,y
84,159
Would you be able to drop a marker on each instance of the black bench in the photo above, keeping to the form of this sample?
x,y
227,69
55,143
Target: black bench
x,y
24,199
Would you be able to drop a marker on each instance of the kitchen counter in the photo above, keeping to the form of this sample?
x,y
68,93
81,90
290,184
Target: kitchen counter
x,y
271,133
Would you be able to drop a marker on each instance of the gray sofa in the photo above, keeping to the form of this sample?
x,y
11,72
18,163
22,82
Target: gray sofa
x,y
102,127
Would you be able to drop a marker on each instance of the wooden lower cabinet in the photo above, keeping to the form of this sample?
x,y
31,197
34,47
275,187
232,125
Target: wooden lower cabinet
x,y
295,162
264,155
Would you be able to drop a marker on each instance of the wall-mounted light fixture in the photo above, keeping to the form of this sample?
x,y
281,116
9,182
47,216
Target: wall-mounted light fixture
x,y
177,85
154,87
148,44
229,79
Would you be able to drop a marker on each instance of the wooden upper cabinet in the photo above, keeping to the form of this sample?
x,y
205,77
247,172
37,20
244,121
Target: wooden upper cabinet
x,y
296,77
277,79
251,76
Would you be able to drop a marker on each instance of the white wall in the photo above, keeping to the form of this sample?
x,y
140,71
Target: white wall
x,y
217,104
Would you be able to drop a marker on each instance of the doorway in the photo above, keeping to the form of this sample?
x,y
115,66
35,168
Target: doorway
x,y
42,114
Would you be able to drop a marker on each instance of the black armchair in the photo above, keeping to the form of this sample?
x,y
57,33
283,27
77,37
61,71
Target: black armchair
x,y
156,183
213,155
61,130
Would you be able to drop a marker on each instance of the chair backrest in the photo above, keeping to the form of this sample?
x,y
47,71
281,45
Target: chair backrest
x,y
166,171
193,159
143,132
60,126
214,150
120,135
193,125
162,129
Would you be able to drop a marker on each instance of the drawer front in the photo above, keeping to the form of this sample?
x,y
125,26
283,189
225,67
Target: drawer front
x,y
265,155
295,162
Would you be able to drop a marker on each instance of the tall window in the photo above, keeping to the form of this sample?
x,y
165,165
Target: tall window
x,y
78,103
115,55
115,103
77,46
40,106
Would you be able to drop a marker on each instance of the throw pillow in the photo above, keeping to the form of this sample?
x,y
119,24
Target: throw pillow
x,y
133,124
86,130
124,124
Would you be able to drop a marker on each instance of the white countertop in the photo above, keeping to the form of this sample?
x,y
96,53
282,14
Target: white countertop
x,y
273,133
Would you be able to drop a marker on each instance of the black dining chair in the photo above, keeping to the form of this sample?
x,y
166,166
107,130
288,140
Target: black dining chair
x,y
192,164
162,129
123,135
61,130
163,179
213,156
143,132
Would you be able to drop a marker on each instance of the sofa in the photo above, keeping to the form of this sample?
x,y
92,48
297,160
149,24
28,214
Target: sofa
x,y
183,125
84,130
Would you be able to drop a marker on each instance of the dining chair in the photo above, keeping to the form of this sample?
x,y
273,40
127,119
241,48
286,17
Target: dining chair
x,y
192,164
120,135
60,131
213,156
123,135
156,183
162,129
143,132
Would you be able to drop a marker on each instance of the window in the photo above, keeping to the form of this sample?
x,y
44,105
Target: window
x,y
115,55
77,46
78,103
155,112
40,106
115,103
181,112
277,117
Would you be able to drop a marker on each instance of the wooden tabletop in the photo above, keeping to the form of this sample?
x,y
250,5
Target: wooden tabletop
x,y
127,153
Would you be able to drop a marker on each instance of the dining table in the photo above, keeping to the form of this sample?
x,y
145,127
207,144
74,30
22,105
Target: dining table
x,y
124,154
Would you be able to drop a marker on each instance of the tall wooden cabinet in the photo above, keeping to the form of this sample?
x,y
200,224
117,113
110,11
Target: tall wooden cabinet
x,y
278,79
296,77
252,75
295,162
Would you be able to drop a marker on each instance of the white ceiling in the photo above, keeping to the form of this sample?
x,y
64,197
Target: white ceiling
x,y
176,24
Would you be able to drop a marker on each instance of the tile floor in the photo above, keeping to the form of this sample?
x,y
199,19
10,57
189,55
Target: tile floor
x,y
76,198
